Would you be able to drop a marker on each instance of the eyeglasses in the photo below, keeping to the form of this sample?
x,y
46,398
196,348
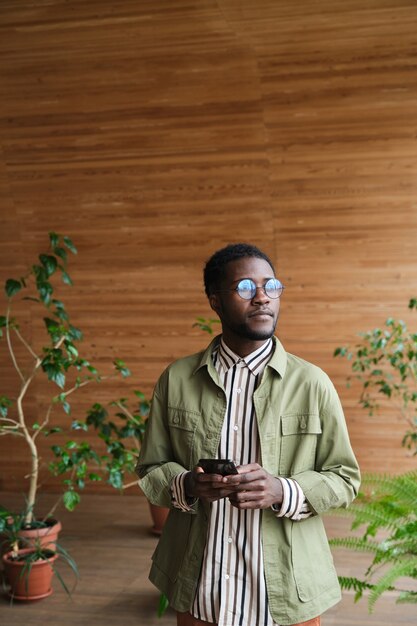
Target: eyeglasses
x,y
246,288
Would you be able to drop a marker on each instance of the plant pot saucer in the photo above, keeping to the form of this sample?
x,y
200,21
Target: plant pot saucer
x,y
31,598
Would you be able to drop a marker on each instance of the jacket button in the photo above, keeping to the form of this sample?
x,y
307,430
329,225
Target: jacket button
x,y
176,420
303,424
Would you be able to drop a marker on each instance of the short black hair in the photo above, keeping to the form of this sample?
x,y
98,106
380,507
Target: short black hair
x,y
214,269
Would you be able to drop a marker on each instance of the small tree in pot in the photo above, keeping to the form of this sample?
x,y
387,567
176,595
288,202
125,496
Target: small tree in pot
x,y
58,360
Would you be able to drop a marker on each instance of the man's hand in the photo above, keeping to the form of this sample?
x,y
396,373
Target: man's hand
x,y
209,487
254,488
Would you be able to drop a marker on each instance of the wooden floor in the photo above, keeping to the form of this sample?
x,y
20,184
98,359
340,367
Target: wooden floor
x,y
110,539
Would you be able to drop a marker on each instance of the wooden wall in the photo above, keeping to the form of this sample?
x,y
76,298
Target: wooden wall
x,y
155,132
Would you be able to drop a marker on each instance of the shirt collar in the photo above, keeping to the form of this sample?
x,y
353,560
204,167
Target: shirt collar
x,y
255,361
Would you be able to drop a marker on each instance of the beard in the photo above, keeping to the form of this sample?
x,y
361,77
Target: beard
x,y
246,332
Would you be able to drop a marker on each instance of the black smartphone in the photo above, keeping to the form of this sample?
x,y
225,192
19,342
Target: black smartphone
x,y
218,466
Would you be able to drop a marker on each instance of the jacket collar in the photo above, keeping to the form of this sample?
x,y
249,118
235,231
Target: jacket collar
x,y
278,360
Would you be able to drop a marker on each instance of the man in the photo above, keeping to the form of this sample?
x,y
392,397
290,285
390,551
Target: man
x,y
246,549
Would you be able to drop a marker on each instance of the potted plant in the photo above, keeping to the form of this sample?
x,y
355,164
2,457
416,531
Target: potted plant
x,y
120,426
385,363
58,360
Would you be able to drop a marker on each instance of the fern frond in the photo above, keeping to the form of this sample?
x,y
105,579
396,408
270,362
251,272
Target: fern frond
x,y
350,583
407,596
391,549
403,487
402,568
372,513
355,543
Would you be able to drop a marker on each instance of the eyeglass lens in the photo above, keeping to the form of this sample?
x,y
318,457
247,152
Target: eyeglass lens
x,y
246,288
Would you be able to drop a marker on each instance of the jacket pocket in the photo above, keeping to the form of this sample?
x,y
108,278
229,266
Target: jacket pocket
x,y
299,434
170,551
182,425
312,561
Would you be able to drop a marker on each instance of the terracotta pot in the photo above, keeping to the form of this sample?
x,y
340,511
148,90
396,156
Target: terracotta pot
x,y
47,537
159,515
28,585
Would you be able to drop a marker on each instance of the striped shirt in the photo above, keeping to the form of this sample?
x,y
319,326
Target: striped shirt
x,y
232,590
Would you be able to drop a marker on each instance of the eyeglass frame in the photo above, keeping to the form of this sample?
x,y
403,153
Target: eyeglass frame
x,y
254,289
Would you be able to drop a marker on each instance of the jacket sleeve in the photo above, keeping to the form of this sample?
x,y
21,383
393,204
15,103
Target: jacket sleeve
x,y
335,480
155,467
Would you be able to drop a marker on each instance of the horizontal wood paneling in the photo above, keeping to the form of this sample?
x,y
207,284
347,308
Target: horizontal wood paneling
x,y
153,133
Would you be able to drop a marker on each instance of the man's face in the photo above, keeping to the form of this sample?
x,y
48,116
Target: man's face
x,y
253,320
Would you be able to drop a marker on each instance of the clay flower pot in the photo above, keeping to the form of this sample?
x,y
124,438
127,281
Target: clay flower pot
x,y
45,537
31,582
159,515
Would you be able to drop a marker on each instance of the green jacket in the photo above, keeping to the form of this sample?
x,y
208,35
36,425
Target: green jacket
x,y
302,434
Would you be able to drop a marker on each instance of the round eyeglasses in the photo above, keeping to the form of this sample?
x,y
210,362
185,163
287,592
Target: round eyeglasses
x,y
246,288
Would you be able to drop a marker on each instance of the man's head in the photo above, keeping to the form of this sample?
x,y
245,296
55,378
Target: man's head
x,y
241,286
214,271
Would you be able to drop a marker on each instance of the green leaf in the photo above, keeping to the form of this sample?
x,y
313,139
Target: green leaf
x,y
45,291
66,278
75,333
52,431
49,263
54,239
72,350
77,425
116,479
121,368
94,477
62,253
54,373
71,499
12,287
163,604
68,242
5,402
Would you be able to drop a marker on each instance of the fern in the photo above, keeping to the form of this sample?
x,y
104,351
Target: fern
x,y
389,504
407,596
404,568
349,583
403,487
355,543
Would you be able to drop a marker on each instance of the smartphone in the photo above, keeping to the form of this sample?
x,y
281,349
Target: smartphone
x,y
218,466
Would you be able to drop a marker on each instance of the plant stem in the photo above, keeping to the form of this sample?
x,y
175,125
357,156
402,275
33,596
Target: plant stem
x,y
9,344
132,484
25,343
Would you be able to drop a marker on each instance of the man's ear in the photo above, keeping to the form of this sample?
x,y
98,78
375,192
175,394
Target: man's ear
x,y
215,303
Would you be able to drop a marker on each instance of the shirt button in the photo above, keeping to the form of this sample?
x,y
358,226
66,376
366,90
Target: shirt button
x,y
227,577
235,427
238,390
229,540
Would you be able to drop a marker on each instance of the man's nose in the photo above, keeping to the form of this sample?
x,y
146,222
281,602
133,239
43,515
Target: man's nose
x,y
260,295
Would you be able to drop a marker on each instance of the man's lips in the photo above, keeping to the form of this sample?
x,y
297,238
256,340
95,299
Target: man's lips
x,y
261,313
